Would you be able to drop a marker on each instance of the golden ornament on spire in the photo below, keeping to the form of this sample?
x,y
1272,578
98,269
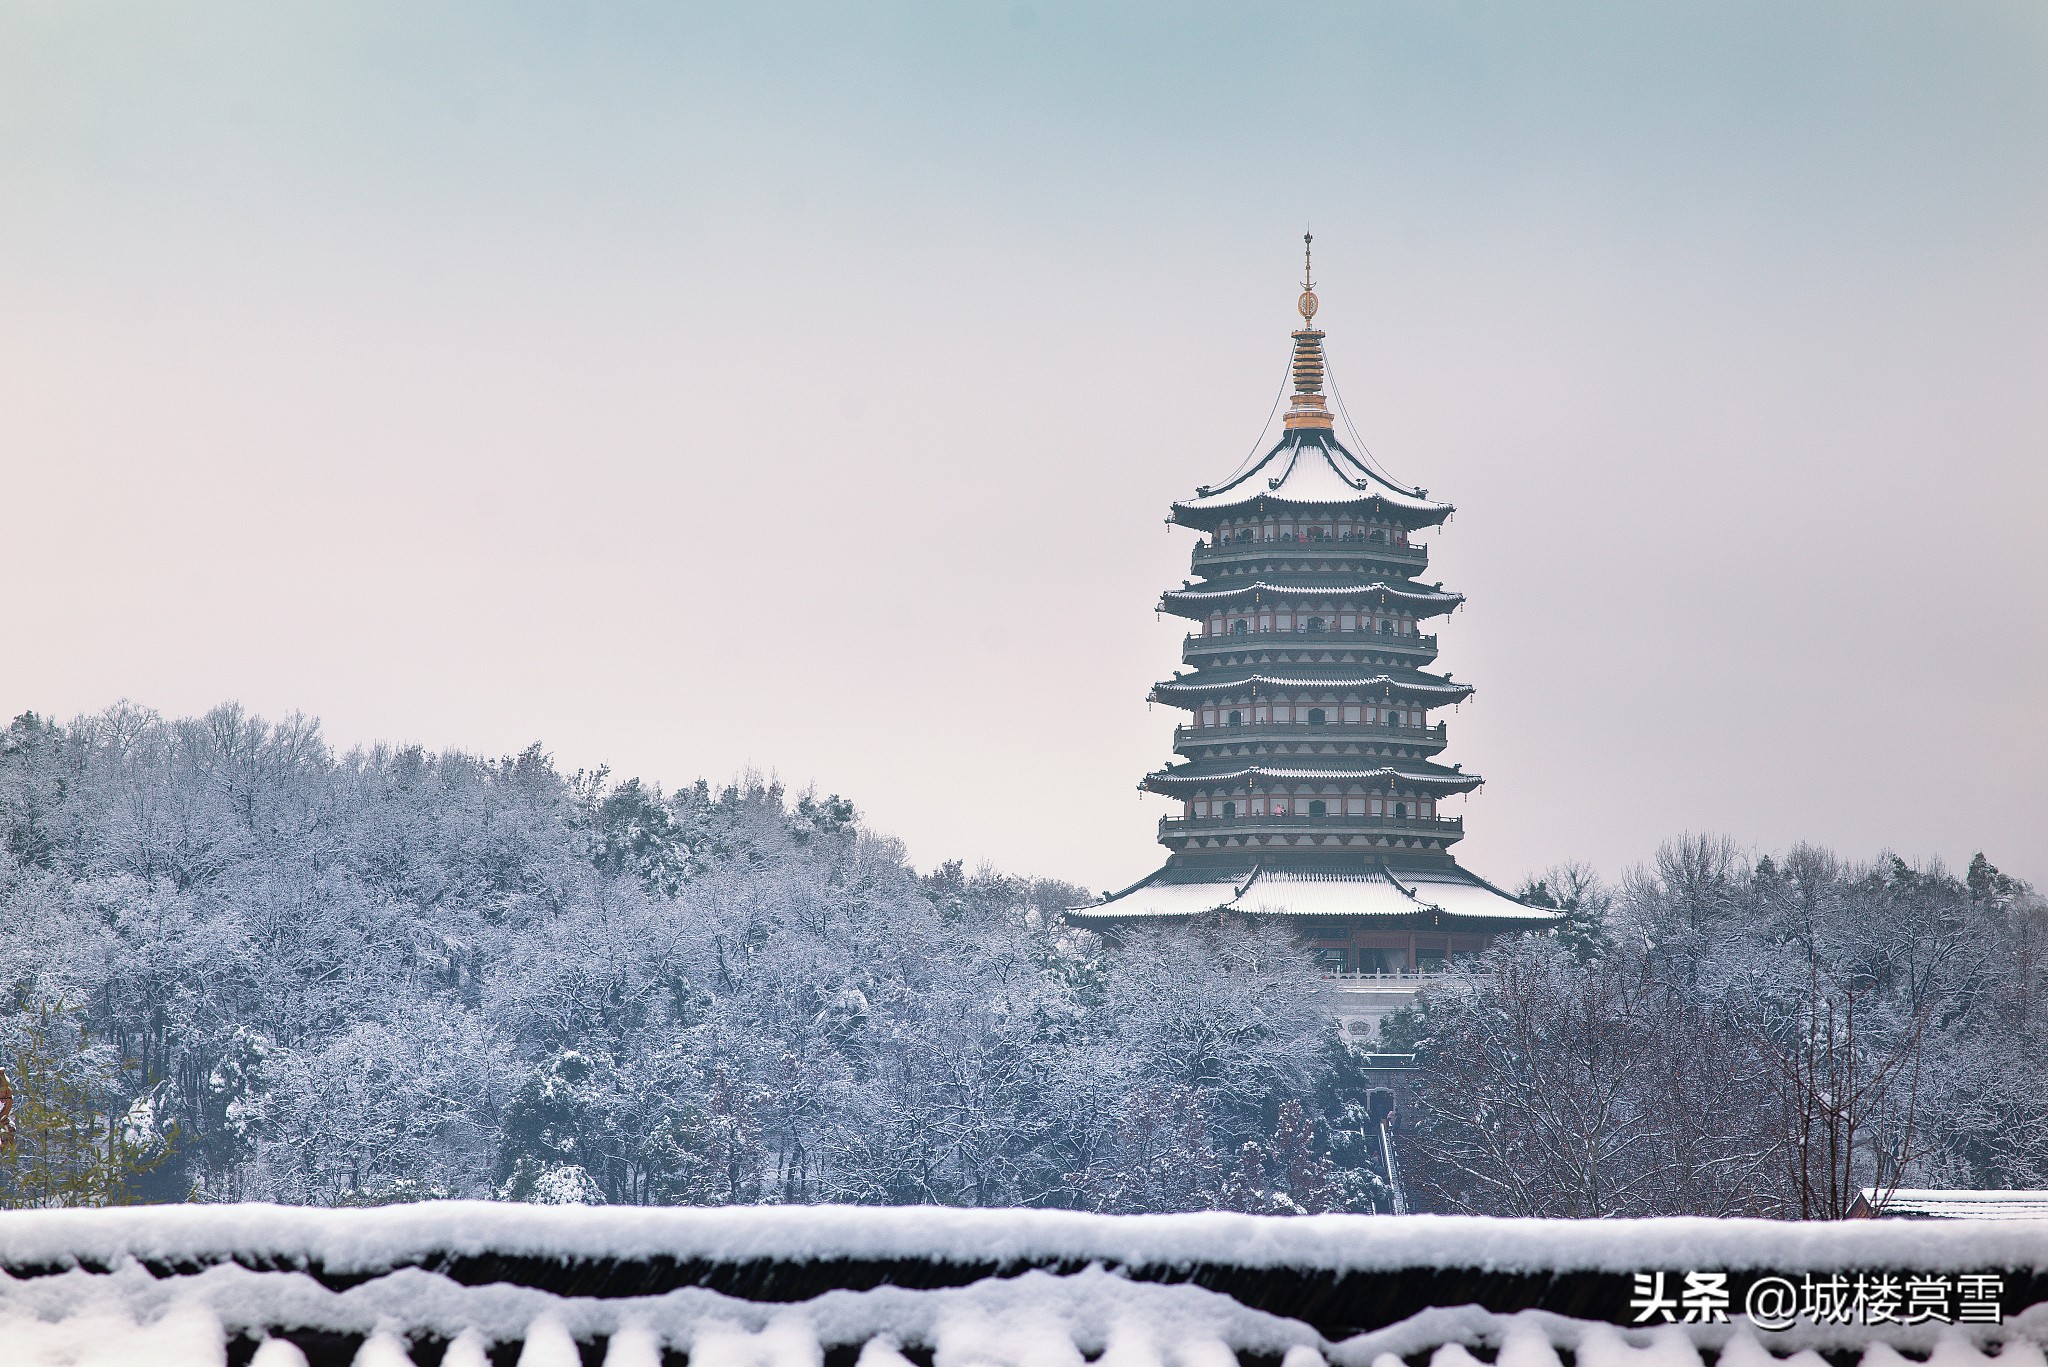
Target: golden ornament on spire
x,y
1307,408
1307,303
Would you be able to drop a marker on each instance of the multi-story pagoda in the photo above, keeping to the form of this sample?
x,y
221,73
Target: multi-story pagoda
x,y
1310,774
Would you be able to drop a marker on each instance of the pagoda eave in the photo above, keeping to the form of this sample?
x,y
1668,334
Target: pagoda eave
x,y
1174,783
1309,471
1422,602
1207,517
1198,687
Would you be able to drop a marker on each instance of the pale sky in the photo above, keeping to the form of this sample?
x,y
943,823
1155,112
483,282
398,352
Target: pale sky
x,y
804,388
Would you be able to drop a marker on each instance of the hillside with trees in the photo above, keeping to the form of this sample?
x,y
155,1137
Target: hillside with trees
x,y
235,964
255,969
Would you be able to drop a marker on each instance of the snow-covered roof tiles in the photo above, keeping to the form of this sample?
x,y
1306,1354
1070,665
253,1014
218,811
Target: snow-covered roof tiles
x,y
1368,890
1369,893
1432,776
1921,1203
1155,898
466,1283
1457,892
1309,466
1409,683
1315,586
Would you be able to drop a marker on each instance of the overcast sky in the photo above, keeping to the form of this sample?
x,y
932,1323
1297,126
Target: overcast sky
x,y
804,388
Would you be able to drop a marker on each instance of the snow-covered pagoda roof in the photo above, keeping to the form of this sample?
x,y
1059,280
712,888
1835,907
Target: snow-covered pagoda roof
x,y
1405,685
1371,890
1185,779
1308,468
1426,599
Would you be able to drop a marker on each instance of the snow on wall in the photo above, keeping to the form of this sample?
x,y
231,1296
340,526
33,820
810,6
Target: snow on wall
x,y
395,1236
1034,1320
125,1313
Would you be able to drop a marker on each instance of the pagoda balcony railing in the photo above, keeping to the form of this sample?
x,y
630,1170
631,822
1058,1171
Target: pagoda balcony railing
x,y
1210,553
1291,730
1198,643
1393,979
1297,824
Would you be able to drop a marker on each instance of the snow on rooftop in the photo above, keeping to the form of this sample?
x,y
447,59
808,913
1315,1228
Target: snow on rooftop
x,y
1345,677
1934,1204
1309,466
379,1239
1371,893
1369,890
235,1272
1461,893
1305,586
1420,771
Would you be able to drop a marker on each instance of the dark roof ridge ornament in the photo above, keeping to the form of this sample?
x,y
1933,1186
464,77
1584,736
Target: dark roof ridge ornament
x,y
1307,408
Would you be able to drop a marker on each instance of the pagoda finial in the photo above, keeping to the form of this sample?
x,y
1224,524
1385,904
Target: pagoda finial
x,y
1307,303
1307,408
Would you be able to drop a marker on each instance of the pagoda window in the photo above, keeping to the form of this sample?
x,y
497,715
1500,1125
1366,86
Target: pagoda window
x,y
1386,627
1230,809
1354,806
1375,806
1347,622
1376,536
1317,808
1400,809
1315,624
1240,627
1236,718
1315,716
1351,714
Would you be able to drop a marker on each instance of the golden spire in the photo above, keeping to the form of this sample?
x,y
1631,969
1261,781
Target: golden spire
x,y
1307,304
1306,408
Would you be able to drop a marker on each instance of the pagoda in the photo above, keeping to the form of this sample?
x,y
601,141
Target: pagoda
x,y
1310,774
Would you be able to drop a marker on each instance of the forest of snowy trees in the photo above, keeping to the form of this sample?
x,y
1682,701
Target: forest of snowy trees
x,y
1721,1035
236,965
273,972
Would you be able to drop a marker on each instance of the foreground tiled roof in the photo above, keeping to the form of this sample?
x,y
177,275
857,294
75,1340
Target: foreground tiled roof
x,y
1920,1203
462,1284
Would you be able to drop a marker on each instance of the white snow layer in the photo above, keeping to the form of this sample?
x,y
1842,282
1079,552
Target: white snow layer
x,y
378,1239
76,1318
